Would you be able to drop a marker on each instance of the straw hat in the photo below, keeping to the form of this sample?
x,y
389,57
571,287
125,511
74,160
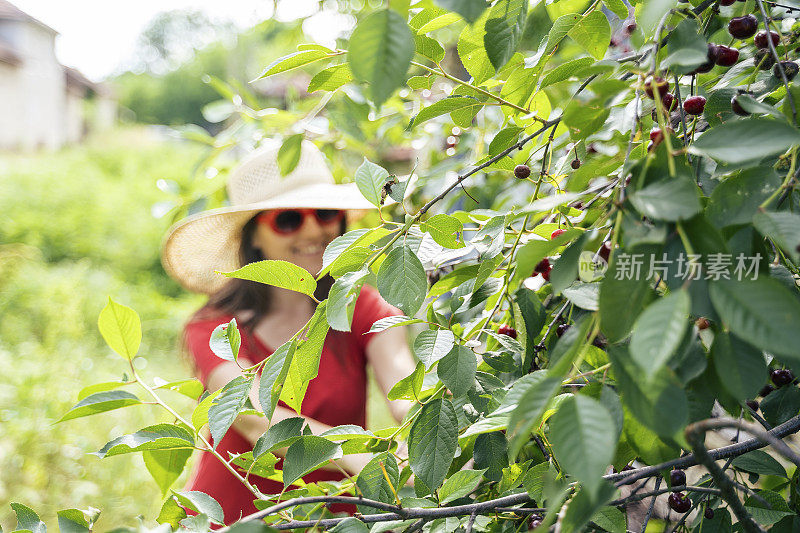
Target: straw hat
x,y
198,245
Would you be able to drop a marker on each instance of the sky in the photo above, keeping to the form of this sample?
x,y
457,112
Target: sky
x,y
98,36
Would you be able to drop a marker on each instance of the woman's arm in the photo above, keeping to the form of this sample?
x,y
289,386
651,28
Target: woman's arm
x,y
390,358
253,426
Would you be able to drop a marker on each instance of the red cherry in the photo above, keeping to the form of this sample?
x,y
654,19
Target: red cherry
x,y
556,233
726,56
781,377
762,42
561,329
522,171
605,251
694,105
702,323
546,275
505,329
651,83
669,101
677,478
743,27
679,503
709,513
575,164
543,266
726,2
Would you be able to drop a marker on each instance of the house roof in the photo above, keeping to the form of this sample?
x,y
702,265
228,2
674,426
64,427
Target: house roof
x,y
8,55
9,11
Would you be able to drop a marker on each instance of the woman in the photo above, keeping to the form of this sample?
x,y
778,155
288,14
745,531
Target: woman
x,y
291,218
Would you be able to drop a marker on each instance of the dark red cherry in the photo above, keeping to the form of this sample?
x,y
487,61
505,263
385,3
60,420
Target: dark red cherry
x,y
543,266
743,27
709,513
790,68
726,2
605,251
669,101
505,329
575,164
679,503
726,56
702,323
694,105
737,108
781,376
677,478
752,404
556,233
762,41
522,171
651,83
766,389
561,329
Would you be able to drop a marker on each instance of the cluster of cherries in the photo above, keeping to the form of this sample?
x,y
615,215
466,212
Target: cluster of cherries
x,y
780,377
678,502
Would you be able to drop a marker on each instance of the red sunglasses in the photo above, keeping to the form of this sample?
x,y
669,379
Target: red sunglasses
x,y
288,221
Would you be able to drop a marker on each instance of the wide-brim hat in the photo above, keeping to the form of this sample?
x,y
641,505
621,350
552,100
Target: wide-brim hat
x,y
200,244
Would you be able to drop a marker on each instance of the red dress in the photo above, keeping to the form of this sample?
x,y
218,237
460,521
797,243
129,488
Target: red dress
x,y
337,396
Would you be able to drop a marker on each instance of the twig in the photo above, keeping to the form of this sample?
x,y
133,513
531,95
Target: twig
x,y
790,98
652,504
658,492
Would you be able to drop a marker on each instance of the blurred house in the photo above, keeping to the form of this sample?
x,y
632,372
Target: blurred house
x,y
43,104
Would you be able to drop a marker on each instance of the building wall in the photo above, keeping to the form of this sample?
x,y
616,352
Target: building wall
x,y
10,91
74,115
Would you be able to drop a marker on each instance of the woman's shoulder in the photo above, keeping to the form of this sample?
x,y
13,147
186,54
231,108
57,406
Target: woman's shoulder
x,y
206,321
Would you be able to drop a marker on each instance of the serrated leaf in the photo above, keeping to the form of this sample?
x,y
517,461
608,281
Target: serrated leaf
x,y
762,136
659,330
760,311
284,433
331,78
121,329
429,48
391,322
225,341
410,386
668,199
402,281
190,387
470,10
200,502
457,370
166,466
306,454
225,407
592,33
445,230
273,376
293,61
443,106
472,53
566,71
583,437
460,484
100,402
740,367
381,49
370,179
372,481
342,299
759,462
200,413
503,29
72,521
782,227
27,519
305,363
350,525
282,274
774,510
155,437
432,345
527,415
432,442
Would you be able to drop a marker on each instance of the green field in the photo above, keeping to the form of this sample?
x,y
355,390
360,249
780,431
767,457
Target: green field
x,y
77,228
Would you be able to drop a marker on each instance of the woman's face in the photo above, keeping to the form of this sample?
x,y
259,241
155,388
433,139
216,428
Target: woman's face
x,y
303,247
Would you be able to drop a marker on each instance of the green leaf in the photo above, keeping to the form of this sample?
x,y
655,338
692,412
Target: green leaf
x,y
445,230
736,199
561,27
433,344
200,502
470,10
740,367
429,48
402,281
611,519
668,199
584,504
72,521
121,329
284,433
166,466
686,46
621,300
190,387
774,510
410,386
762,136
760,311
306,454
331,78
305,363
419,83
619,8
782,227
225,407
566,71
100,402
460,484
370,179
431,19
432,442
457,370
225,341
278,274
759,462
592,33
200,413
27,519
781,405
584,438
472,53
443,106
273,376
372,481
391,322
652,12
156,437
100,387
531,407
584,118
293,61
503,30
350,525
565,268
342,299
659,330
289,153
381,49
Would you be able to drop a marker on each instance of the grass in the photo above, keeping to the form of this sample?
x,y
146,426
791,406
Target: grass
x,y
77,229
